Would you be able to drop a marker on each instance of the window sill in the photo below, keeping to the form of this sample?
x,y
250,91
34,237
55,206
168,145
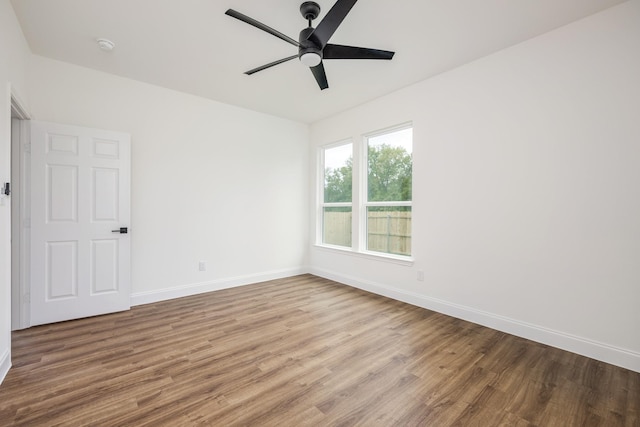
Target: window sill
x,y
374,256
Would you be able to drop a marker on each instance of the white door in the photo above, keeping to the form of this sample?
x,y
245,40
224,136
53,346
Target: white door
x,y
80,197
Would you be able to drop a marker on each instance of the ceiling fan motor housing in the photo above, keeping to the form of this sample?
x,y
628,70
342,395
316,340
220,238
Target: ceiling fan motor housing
x,y
308,46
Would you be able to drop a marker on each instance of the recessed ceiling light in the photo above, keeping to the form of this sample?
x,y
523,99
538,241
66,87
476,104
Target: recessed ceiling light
x,y
106,45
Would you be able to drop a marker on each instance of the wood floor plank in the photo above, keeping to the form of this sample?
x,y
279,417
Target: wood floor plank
x,y
302,351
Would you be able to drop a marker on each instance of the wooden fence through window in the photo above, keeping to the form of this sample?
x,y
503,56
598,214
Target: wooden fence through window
x,y
388,232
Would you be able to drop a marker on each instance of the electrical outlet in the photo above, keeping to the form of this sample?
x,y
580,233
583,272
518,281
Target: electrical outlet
x,y
202,266
420,276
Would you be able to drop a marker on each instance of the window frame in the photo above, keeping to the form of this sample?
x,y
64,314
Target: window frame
x,y
321,196
365,204
359,198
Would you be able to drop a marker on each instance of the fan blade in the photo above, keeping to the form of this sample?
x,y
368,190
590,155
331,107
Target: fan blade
x,y
260,25
271,64
336,51
331,22
320,75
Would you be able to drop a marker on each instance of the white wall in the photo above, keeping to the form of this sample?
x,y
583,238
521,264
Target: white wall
x,y
210,182
13,61
526,189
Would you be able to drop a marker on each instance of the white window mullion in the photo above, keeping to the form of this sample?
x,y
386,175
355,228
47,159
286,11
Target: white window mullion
x,y
319,195
360,184
387,204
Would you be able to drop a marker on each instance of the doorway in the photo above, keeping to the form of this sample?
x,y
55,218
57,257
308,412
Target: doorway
x,y
70,213
19,230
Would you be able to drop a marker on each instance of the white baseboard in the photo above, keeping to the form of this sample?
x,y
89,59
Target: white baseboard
x,y
5,365
140,298
585,347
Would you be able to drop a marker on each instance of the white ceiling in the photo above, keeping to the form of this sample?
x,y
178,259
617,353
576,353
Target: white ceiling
x,y
192,46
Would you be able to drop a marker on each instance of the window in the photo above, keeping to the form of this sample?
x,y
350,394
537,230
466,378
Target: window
x,y
388,204
380,219
337,195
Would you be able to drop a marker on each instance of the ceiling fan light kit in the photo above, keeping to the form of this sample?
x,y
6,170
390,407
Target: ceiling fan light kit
x,y
313,43
310,59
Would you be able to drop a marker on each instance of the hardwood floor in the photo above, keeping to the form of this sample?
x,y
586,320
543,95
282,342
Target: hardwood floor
x,y
302,351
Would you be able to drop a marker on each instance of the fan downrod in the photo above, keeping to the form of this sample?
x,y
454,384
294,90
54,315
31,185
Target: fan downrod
x,y
310,10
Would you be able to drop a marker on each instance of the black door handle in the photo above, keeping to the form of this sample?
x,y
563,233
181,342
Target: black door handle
x,y
122,230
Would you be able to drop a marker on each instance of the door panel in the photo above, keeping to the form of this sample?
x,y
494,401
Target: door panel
x,y
105,194
80,193
62,193
61,278
104,266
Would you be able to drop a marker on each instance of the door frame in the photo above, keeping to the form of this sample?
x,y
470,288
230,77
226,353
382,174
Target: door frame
x,y
20,227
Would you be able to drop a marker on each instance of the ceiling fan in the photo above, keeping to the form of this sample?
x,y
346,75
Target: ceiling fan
x,y
313,43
